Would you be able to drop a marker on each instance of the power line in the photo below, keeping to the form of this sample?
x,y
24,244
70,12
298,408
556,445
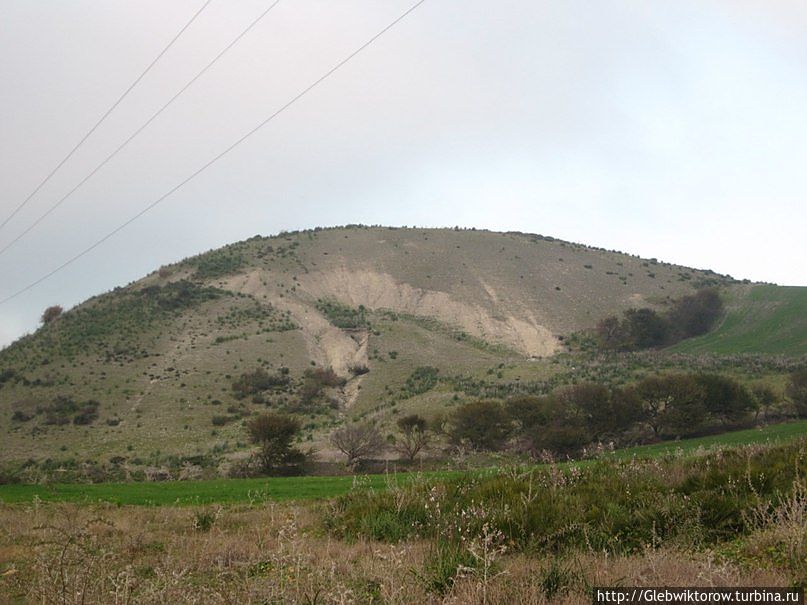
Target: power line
x,y
154,116
105,116
215,159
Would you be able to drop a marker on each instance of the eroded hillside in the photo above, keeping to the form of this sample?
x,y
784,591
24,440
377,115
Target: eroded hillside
x,y
375,304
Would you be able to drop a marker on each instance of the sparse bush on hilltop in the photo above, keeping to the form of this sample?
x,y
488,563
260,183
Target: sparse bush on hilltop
x,y
7,375
218,264
325,377
52,313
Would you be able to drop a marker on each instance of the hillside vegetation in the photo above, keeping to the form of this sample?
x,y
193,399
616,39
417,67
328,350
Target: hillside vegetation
x,y
330,325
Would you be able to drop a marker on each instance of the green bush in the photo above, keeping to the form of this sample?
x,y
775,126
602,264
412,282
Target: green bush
x,y
258,381
343,316
218,264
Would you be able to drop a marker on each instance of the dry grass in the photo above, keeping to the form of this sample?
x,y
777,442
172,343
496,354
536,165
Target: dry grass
x,y
69,554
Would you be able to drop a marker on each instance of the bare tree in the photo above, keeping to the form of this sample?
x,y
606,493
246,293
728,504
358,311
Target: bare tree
x,y
357,441
414,436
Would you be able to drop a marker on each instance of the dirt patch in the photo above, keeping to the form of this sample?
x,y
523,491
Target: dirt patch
x,y
511,327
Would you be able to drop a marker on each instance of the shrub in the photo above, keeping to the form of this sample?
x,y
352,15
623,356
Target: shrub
x,y
218,264
325,377
359,369
204,520
645,328
444,564
422,380
60,410
343,316
253,383
20,416
51,314
87,413
7,375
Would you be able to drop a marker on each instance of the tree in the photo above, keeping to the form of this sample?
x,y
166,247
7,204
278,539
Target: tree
x,y
647,328
673,402
274,434
357,441
696,314
414,435
613,334
483,424
764,397
529,411
593,401
51,313
725,398
797,391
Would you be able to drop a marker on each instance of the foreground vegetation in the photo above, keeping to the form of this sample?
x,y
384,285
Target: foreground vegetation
x,y
734,517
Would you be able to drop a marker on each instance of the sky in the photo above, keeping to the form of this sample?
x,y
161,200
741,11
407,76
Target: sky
x,y
669,129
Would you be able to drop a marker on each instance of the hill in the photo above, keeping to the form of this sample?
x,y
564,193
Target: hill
x,y
408,319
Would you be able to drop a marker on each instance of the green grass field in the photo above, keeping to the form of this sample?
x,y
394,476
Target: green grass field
x,y
226,491
764,319
773,433
223,491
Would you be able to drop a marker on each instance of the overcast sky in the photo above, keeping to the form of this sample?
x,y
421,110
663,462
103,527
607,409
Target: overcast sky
x,y
670,129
